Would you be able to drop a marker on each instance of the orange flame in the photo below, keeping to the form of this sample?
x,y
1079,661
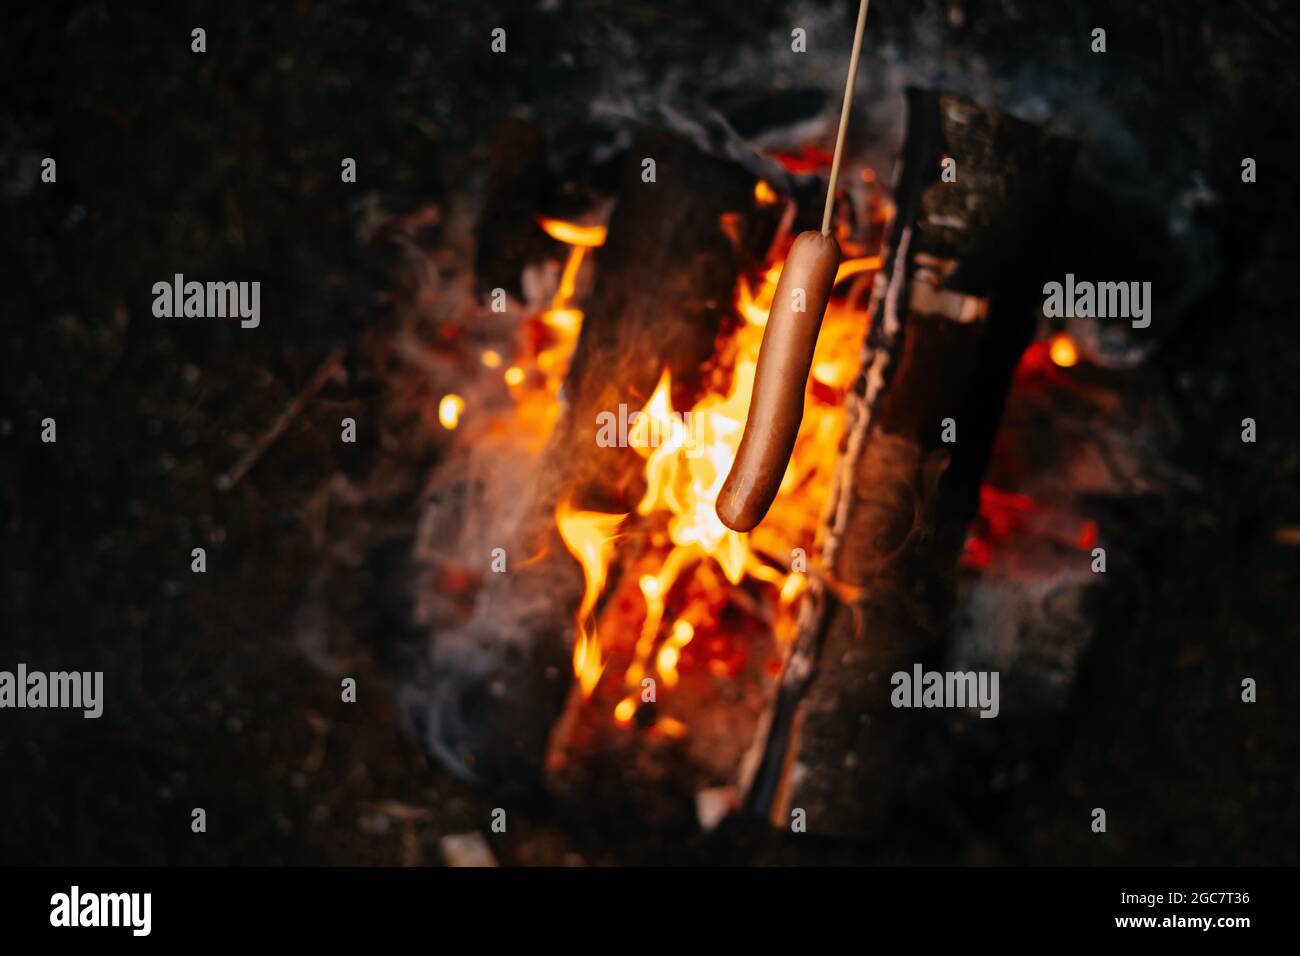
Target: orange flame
x,y
538,373
589,536
687,566
572,234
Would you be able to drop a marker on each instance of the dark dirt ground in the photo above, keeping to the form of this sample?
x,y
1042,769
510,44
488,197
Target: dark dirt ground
x,y
225,166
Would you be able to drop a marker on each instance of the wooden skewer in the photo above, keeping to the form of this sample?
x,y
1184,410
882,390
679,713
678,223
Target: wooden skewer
x,y
844,117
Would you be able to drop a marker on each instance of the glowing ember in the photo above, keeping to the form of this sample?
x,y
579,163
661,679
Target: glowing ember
x,y
670,727
449,410
625,710
1004,515
1063,351
808,159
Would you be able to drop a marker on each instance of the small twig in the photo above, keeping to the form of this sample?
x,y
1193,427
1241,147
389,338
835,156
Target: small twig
x,y
323,374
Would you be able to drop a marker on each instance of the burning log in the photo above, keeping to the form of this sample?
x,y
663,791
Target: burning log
x,y
951,315
664,278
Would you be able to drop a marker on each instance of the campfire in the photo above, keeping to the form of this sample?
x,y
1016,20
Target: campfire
x,y
628,632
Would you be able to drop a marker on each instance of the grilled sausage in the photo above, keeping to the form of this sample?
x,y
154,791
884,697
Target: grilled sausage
x,y
776,407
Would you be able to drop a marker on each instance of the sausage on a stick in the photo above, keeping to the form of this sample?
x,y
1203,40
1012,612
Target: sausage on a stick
x,y
776,406
784,360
